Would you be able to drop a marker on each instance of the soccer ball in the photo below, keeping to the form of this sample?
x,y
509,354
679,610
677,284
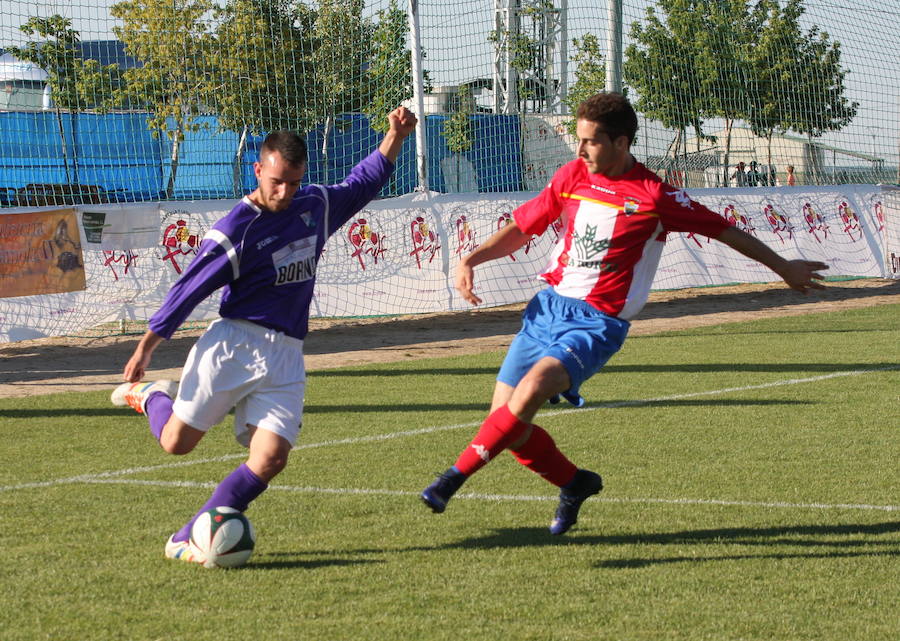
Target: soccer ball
x,y
222,538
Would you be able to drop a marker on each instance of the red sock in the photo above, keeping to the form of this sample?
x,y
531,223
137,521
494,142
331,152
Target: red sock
x,y
540,454
499,429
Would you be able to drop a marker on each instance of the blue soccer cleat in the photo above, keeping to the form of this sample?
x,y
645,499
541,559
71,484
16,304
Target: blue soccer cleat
x,y
438,493
585,484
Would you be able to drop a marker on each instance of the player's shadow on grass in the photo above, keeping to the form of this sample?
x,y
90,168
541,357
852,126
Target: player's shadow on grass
x,y
639,368
771,541
482,407
387,408
291,562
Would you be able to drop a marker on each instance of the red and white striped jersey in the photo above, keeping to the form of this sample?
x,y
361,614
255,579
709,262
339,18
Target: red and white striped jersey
x,y
615,229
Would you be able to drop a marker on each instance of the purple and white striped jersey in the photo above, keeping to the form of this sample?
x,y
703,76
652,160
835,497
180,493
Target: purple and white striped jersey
x,y
266,261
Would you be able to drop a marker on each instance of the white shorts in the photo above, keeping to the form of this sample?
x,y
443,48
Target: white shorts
x,y
257,371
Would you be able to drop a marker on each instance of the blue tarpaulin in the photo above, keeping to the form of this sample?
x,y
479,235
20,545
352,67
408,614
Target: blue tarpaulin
x,y
118,153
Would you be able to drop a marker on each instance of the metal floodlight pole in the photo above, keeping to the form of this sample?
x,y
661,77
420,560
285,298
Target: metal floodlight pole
x,y
418,94
563,55
614,46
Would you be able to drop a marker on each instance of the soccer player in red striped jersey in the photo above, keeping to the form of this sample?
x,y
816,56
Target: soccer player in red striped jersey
x,y
616,215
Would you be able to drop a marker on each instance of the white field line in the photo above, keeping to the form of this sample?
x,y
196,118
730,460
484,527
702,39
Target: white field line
x,y
510,497
441,428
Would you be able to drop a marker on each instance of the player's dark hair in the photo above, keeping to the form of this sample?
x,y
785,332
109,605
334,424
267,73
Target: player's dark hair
x,y
612,112
287,143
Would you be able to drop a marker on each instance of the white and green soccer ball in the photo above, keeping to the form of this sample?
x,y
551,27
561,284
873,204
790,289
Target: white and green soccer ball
x,y
222,538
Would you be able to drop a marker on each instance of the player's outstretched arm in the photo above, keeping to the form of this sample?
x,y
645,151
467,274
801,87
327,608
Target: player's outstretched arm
x,y
500,244
401,123
137,365
801,275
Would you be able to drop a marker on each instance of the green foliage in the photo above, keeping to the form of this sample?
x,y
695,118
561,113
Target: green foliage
x,y
343,40
457,129
736,60
172,40
590,75
75,84
797,82
389,70
264,76
173,43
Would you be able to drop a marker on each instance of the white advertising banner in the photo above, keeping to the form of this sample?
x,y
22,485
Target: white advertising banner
x,y
398,255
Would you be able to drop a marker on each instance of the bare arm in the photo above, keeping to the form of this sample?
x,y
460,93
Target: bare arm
x,y
401,122
798,274
502,243
136,366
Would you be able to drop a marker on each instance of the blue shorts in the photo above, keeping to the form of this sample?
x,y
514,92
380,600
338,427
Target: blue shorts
x,y
578,335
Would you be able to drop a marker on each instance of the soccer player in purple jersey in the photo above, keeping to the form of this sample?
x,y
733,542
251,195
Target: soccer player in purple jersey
x,y
263,254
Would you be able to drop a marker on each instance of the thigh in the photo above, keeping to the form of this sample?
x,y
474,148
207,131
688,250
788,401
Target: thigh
x,y
276,404
221,369
530,344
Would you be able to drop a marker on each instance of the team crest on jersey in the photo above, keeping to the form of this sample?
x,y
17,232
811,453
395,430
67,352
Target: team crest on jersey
x,y
308,220
631,206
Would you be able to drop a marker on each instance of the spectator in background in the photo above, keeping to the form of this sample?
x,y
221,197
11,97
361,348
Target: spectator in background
x,y
753,175
773,176
791,178
740,175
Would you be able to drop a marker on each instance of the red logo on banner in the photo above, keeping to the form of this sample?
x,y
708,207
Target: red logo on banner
x,y
424,241
465,236
879,215
180,241
117,258
739,220
815,223
850,221
365,241
779,223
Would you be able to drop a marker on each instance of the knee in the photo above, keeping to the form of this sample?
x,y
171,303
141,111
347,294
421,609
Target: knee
x,y
175,445
268,468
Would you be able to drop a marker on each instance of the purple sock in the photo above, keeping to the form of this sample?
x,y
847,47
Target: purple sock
x,y
159,409
237,490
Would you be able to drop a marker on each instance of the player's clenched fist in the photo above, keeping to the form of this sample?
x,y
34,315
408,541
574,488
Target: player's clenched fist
x,y
402,120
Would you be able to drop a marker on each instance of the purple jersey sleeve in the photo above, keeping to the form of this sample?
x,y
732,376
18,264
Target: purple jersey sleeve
x,y
360,186
209,271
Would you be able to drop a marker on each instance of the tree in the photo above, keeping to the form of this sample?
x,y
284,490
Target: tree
x,y
341,48
590,75
75,84
661,66
172,41
389,72
797,80
457,129
266,81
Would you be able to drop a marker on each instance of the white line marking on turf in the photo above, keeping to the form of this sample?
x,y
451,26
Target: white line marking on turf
x,y
442,428
509,497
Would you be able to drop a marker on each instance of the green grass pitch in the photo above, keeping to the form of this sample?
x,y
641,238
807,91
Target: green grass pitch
x,y
752,492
